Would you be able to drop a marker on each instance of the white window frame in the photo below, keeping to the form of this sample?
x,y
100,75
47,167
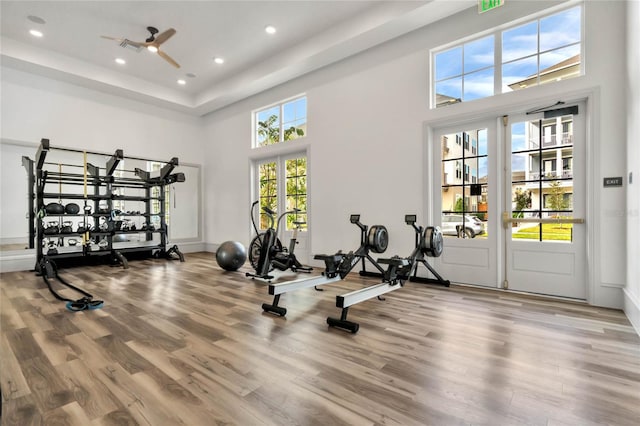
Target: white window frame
x,y
498,62
281,125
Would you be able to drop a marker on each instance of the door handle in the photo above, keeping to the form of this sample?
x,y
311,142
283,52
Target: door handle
x,y
507,219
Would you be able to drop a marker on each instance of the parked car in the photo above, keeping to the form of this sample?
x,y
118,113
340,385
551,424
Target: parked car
x,y
472,225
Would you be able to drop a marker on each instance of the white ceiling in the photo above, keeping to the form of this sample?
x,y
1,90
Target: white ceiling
x,y
310,35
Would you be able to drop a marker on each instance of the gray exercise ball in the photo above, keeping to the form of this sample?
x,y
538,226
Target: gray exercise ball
x,y
231,255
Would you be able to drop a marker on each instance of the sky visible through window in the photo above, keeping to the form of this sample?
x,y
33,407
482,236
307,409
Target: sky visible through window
x,y
518,143
550,41
482,150
467,71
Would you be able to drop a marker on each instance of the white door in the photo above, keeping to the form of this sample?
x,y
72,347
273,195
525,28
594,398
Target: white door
x,y
281,185
465,204
544,233
510,200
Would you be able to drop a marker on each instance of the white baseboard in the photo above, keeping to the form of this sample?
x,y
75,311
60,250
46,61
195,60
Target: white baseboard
x,y
17,262
15,240
632,309
189,247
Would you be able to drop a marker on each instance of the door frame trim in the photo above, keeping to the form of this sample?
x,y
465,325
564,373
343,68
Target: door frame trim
x,y
466,113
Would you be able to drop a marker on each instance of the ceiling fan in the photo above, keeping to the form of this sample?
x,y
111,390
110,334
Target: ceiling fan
x,y
152,43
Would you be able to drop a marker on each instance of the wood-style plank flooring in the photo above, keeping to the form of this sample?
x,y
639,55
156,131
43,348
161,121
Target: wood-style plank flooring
x,y
188,344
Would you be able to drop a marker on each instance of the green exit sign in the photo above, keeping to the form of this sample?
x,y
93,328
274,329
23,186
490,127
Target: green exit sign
x,y
484,5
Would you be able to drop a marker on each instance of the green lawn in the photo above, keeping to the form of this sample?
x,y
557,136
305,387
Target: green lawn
x,y
550,232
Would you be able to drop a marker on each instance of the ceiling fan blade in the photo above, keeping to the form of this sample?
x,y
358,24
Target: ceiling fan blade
x,y
168,59
136,43
126,40
112,38
164,36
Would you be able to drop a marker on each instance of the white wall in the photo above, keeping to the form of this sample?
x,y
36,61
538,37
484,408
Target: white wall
x,y
366,117
13,187
35,107
632,290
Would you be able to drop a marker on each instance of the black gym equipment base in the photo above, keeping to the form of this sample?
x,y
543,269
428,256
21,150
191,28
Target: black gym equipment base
x,y
399,270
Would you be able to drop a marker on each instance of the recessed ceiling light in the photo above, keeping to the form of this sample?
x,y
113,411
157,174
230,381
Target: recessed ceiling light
x,y
218,60
120,61
270,29
36,19
152,49
182,82
35,33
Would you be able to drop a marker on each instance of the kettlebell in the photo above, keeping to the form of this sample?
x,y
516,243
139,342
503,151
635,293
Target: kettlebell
x,y
67,227
52,228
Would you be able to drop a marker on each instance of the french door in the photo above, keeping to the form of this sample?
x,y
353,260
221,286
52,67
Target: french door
x,y
281,185
510,200
545,235
466,202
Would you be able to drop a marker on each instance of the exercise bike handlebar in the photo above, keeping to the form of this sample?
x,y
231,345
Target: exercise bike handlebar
x,y
271,215
288,212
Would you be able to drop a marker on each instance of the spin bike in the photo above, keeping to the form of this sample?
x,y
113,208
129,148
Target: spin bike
x,y
266,252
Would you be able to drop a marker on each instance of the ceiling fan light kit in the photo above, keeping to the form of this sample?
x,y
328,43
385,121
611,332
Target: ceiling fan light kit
x,y
152,43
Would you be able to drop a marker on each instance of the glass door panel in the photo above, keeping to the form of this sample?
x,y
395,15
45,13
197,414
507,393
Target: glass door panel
x,y
545,241
464,207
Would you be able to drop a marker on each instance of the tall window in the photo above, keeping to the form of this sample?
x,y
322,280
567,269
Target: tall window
x,y
282,185
282,122
296,192
540,51
268,187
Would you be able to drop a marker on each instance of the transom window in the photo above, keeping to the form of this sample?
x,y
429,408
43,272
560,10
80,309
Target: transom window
x,y
540,51
280,123
465,72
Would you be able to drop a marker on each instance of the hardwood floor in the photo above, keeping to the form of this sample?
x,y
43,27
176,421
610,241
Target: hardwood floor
x,y
188,344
